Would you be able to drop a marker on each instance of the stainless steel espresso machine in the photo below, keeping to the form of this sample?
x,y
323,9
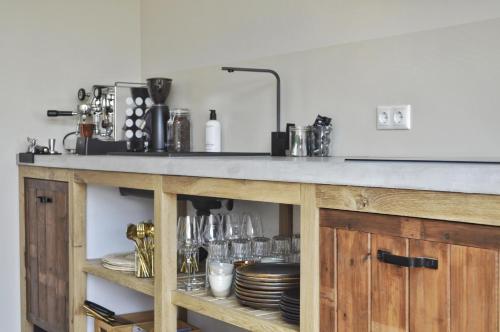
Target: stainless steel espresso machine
x,y
110,118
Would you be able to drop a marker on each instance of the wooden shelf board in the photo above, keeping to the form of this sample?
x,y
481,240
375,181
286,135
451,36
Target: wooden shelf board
x,y
230,311
126,279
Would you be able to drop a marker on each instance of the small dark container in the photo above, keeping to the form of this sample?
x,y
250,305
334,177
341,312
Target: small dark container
x,y
279,143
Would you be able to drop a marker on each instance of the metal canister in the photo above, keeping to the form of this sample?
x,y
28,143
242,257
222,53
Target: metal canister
x,y
301,141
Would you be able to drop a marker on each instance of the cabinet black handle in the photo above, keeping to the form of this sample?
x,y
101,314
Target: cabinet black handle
x,y
44,199
387,257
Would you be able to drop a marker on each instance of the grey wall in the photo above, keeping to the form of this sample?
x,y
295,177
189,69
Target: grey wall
x,y
441,57
49,49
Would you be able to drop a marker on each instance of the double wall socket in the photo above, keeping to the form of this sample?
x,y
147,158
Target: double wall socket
x,y
394,117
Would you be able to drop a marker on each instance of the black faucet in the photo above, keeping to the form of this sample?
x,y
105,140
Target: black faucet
x,y
278,87
279,140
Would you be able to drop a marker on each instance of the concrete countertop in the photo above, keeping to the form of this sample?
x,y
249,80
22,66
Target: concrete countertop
x,y
436,176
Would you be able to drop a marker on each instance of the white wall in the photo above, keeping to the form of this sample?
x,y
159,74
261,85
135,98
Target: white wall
x,y
108,214
448,73
49,49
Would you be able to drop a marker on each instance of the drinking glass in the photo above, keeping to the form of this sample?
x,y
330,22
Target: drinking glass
x,y
211,229
188,242
231,226
220,276
261,247
218,252
241,250
295,253
281,246
251,226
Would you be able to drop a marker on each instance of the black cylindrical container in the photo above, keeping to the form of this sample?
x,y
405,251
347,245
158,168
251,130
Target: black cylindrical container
x,y
158,127
158,89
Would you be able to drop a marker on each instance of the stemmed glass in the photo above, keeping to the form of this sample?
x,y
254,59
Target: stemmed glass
x,y
251,226
189,240
231,226
211,230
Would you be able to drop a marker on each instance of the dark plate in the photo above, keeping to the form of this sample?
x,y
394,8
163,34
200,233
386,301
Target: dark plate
x,y
257,305
259,292
256,300
269,280
290,310
287,304
264,287
268,283
270,270
290,316
292,295
259,295
291,321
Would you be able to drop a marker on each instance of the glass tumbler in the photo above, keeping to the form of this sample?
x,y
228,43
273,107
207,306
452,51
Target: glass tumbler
x,y
295,254
241,250
218,252
281,246
261,247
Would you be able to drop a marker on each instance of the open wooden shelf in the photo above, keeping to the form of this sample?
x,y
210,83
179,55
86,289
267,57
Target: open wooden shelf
x,y
126,279
230,311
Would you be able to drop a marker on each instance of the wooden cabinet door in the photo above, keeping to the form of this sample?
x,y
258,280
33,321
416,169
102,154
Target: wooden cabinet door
x,y
360,292
46,217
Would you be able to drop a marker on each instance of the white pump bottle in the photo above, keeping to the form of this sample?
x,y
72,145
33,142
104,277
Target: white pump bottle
x,y
213,134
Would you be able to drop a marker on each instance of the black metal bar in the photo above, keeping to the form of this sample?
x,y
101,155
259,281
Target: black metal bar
x,y
412,262
278,87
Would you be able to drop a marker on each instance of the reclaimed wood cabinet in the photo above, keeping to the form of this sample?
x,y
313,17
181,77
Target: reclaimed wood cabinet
x,y
389,273
46,254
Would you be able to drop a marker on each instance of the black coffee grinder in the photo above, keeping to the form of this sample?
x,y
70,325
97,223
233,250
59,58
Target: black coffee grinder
x,y
158,89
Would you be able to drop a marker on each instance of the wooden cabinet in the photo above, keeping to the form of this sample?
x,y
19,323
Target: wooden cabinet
x,y
46,256
365,285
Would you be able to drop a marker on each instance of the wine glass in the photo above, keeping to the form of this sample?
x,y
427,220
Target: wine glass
x,y
251,226
189,241
211,230
231,226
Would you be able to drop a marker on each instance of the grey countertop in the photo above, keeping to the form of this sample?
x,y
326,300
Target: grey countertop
x,y
439,176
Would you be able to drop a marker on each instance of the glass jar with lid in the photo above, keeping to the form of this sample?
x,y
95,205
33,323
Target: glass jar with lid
x,y
181,126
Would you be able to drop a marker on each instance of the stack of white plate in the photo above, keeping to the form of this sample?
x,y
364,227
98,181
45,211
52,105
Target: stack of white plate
x,y
124,262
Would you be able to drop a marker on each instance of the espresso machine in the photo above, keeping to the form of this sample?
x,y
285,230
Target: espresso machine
x,y
111,118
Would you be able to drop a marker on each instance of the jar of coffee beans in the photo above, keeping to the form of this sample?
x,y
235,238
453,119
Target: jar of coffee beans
x,y
182,130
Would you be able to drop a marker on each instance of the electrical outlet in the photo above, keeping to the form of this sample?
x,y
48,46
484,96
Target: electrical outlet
x,y
394,117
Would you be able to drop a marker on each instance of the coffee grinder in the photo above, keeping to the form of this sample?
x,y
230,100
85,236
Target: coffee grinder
x,y
158,89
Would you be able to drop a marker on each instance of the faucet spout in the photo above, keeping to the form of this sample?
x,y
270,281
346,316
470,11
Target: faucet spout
x,y
278,87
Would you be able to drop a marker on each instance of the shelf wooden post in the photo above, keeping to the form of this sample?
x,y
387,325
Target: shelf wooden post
x,y
309,259
78,251
26,326
165,219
